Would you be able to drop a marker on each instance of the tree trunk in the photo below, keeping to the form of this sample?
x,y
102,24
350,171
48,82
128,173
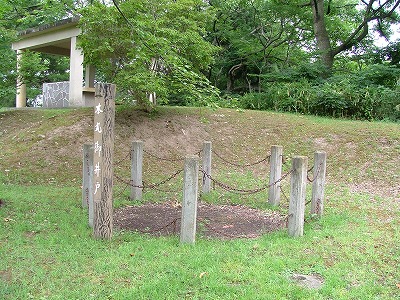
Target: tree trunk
x,y
321,34
231,77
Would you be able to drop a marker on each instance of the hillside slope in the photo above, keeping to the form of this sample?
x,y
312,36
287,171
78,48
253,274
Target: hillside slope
x,y
45,146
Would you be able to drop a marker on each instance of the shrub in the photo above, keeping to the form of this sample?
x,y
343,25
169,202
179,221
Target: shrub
x,y
338,96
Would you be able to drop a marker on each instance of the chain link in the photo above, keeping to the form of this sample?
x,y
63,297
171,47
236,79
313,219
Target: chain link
x,y
122,191
316,175
242,191
241,165
284,160
150,186
163,158
123,159
283,193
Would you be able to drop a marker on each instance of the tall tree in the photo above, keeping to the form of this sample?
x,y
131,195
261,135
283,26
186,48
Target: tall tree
x,y
150,46
256,36
376,13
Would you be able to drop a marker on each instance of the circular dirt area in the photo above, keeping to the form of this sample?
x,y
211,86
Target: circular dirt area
x,y
217,221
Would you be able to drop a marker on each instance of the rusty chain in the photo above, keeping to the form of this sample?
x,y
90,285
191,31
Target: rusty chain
x,y
284,160
122,191
123,159
241,165
316,175
283,193
242,191
156,188
153,185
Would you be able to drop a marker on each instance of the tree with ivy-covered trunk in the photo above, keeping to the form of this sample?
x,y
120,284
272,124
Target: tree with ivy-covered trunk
x,y
151,46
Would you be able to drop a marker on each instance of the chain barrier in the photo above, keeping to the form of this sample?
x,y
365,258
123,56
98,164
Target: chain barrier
x,y
316,175
242,191
284,194
123,159
122,190
156,185
162,158
153,186
156,188
241,165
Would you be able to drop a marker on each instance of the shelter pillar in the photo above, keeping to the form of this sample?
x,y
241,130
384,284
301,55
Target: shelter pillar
x,y
21,86
76,74
90,72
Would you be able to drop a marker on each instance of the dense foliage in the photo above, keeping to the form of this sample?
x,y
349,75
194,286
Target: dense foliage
x,y
149,47
319,57
370,94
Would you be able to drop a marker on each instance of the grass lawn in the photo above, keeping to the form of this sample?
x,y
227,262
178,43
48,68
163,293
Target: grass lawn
x,y
47,250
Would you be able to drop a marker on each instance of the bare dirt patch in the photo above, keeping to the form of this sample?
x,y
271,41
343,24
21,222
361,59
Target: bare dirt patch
x,y
314,281
216,221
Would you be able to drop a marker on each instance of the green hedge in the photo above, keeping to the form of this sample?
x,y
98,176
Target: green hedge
x,y
372,94
335,100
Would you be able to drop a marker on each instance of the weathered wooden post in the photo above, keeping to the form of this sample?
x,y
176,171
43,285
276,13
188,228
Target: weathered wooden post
x,y
189,204
274,193
87,182
136,170
298,185
318,187
104,115
206,186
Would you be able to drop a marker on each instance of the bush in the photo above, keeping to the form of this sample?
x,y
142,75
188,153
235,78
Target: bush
x,y
387,106
371,94
258,101
381,75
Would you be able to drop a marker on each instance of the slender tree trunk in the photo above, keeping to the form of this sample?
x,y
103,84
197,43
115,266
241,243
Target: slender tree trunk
x,y
321,34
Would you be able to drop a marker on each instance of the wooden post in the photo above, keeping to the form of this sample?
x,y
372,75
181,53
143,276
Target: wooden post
x,y
318,187
136,170
206,186
189,204
104,115
274,193
298,185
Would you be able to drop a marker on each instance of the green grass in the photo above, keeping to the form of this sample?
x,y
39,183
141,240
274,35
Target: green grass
x,y
47,250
